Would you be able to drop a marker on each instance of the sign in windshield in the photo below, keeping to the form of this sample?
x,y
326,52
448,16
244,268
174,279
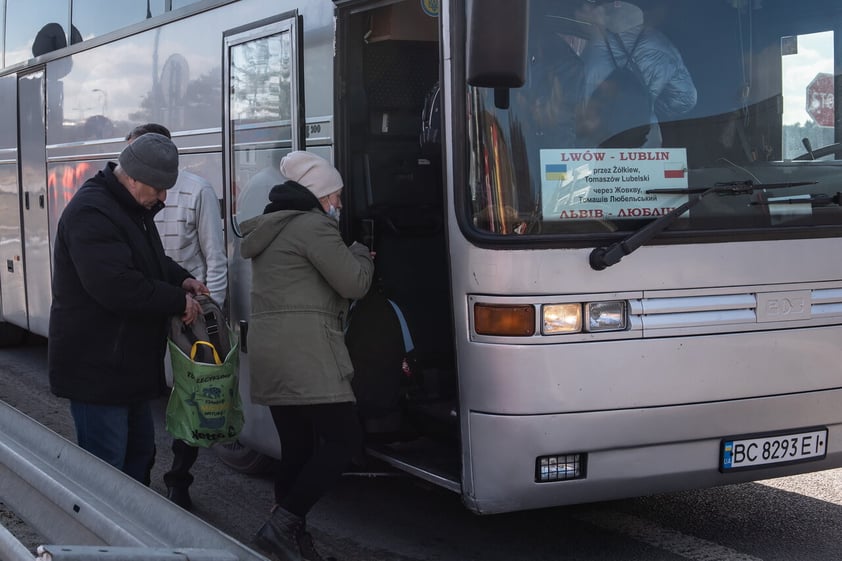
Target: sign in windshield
x,y
610,183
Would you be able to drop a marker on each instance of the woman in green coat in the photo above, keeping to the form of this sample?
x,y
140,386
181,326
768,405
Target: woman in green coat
x,y
303,276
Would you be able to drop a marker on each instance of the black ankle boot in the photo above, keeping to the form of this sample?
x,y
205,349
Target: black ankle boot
x,y
180,496
280,534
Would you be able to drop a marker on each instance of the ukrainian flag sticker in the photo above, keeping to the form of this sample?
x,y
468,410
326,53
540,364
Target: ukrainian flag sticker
x,y
555,172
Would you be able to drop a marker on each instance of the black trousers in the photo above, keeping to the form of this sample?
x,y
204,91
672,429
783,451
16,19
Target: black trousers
x,y
317,444
183,458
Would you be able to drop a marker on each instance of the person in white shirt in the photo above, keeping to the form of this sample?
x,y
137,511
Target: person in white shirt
x,y
191,230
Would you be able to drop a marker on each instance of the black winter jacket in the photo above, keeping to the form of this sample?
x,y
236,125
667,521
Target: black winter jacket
x,y
113,292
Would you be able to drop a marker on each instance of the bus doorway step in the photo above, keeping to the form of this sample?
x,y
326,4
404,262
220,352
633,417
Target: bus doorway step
x,y
425,454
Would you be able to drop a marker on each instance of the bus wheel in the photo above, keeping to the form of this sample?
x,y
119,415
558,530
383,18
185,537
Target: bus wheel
x,y
12,335
243,459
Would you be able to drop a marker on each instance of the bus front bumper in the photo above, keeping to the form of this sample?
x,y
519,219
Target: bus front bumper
x,y
634,452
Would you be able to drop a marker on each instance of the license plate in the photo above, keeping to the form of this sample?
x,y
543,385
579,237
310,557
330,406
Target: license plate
x,y
748,452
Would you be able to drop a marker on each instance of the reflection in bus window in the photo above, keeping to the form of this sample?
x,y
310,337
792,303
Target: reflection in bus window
x,y
260,79
98,17
257,172
171,90
47,17
261,114
176,4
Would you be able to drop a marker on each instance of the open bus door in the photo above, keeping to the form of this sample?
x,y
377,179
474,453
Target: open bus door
x,y
263,121
389,58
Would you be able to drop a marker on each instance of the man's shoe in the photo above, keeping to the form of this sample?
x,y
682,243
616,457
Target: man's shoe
x,y
279,535
180,496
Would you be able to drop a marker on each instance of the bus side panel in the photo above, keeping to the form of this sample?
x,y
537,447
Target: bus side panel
x,y
32,115
607,375
12,291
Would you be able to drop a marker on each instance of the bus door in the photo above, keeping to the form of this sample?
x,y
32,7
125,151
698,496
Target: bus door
x,y
33,186
12,289
263,108
389,110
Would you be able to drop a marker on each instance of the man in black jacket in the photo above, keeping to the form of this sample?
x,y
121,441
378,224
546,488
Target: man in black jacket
x,y
113,292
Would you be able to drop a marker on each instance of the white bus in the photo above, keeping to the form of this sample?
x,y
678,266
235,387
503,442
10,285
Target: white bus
x,y
617,263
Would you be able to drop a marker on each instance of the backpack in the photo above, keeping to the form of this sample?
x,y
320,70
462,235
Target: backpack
x,y
618,112
382,352
430,138
209,333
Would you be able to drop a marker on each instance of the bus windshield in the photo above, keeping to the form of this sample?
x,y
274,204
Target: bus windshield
x,y
629,110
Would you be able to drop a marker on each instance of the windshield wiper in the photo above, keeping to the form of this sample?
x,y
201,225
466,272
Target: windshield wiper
x,y
813,199
603,257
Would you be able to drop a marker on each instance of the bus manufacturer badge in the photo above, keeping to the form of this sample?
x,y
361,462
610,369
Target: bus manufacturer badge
x,y
431,7
783,306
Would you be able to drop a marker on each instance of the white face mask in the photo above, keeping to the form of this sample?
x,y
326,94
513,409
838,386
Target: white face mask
x,y
333,212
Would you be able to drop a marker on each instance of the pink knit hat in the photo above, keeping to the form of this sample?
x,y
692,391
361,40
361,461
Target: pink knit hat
x,y
311,171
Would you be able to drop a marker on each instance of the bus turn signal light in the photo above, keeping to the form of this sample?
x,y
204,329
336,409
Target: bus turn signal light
x,y
503,320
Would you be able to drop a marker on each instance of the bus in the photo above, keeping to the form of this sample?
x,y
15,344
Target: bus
x,y
611,227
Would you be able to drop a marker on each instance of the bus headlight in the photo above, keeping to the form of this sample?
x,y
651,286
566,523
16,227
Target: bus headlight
x,y
561,318
606,316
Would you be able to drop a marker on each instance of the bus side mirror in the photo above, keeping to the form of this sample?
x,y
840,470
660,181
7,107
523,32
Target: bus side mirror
x,y
496,43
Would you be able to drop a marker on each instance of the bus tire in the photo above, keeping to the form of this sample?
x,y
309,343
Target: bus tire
x,y
12,335
244,459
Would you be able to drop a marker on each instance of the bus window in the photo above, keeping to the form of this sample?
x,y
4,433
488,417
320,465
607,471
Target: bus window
x,y
260,109
36,30
748,103
176,4
97,17
807,85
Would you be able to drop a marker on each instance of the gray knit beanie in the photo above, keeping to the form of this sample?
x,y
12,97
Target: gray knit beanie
x,y
151,159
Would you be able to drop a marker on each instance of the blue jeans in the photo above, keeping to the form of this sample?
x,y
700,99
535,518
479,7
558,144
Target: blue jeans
x,y
122,435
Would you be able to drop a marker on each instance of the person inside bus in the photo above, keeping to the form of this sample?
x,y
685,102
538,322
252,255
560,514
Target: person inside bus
x,y
555,76
191,231
113,291
655,83
303,277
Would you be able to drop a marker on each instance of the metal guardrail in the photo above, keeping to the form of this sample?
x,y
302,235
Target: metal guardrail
x,y
69,496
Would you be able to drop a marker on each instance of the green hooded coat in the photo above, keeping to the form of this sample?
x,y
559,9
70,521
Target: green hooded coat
x,y
303,276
